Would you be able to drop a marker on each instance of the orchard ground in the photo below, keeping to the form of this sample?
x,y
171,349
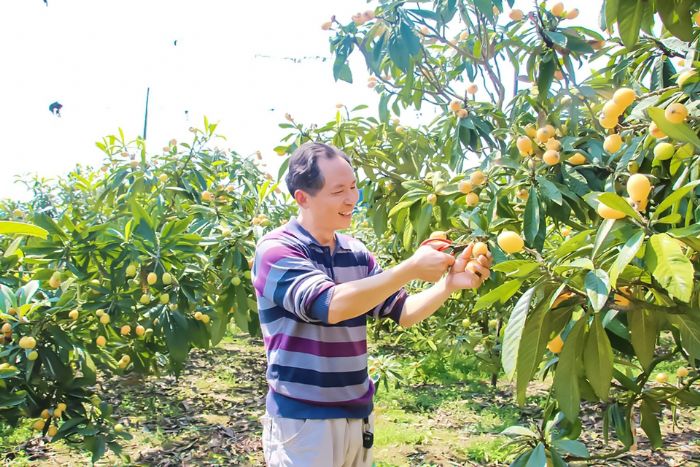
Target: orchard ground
x,y
209,416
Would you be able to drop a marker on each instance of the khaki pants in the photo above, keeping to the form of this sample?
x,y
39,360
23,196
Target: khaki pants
x,y
335,442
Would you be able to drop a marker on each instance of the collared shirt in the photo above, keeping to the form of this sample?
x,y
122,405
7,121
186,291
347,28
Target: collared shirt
x,y
314,369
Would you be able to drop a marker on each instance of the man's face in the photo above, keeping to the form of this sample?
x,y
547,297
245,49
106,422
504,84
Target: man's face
x,y
334,203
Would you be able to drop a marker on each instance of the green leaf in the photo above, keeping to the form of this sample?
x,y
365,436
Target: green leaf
x,y
423,222
618,416
516,268
675,16
550,190
611,7
603,232
650,425
565,384
597,288
669,266
401,205
341,70
531,221
517,430
577,448
598,359
176,339
538,458
21,228
671,199
531,349
643,327
409,38
689,327
629,21
677,131
398,53
546,75
616,201
501,294
627,253
514,331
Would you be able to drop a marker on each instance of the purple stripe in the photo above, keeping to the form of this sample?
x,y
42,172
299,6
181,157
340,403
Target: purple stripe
x,y
371,263
270,257
313,347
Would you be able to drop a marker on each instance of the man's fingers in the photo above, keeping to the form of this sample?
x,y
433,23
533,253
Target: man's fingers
x,y
449,259
462,260
436,244
484,261
483,272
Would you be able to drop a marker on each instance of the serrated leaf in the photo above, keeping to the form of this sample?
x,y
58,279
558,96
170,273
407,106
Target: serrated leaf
x,y
513,332
677,131
669,266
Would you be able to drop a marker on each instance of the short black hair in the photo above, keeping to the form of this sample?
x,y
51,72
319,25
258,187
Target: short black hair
x,y
303,173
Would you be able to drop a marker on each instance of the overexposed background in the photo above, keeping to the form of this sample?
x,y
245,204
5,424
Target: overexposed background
x,y
242,64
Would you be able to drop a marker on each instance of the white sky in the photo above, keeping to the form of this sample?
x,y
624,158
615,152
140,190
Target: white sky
x,y
97,57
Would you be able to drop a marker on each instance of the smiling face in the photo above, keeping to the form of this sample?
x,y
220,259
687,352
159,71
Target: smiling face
x,y
330,208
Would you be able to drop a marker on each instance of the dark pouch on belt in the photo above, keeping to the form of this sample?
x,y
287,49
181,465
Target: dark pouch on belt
x,y
367,436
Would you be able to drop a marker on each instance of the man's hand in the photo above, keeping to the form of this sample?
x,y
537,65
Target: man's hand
x,y
428,264
467,272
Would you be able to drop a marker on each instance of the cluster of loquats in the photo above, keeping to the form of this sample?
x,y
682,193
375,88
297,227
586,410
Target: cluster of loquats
x,y
543,142
49,418
558,10
476,180
456,106
615,107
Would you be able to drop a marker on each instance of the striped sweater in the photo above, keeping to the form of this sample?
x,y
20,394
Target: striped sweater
x,y
314,369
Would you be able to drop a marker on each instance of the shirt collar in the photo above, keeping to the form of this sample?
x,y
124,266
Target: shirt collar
x,y
295,228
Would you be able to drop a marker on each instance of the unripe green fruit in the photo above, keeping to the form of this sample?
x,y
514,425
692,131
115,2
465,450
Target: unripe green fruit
x,y
663,151
236,281
167,278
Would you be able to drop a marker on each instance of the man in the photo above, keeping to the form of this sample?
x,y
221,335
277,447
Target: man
x,y
315,290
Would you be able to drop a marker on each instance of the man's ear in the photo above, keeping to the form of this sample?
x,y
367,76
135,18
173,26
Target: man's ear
x,y
301,197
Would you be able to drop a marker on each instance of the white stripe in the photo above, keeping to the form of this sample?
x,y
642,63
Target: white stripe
x,y
311,331
314,362
319,394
